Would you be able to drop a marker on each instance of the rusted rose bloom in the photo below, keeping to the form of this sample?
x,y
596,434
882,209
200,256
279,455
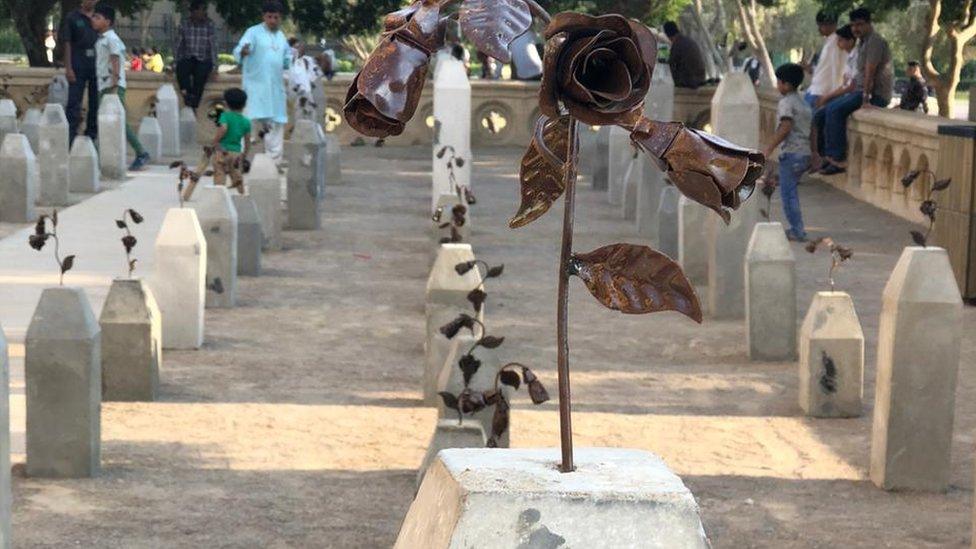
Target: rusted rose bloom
x,y
598,67
385,93
705,168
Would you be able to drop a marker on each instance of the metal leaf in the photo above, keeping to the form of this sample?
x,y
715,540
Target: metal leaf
x,y
492,25
471,401
537,392
469,367
491,342
477,298
450,401
499,421
636,280
942,184
67,264
120,223
918,238
510,378
542,173
495,271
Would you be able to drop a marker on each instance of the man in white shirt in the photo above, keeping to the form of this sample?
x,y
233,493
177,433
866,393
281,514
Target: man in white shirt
x,y
526,62
828,72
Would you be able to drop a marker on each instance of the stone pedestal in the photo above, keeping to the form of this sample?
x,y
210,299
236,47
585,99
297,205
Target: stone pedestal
x,y
303,177
831,358
452,126
30,125
57,90
518,498
18,180
62,366
132,342
6,502
587,150
919,337
111,137
218,221
601,159
188,129
8,120
735,117
446,297
151,137
770,294
621,155
321,169
178,278
83,166
451,379
633,176
451,433
333,159
692,252
667,219
264,185
249,235
52,156
168,114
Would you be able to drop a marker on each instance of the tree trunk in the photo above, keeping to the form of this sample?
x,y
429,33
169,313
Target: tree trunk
x,y
747,17
30,21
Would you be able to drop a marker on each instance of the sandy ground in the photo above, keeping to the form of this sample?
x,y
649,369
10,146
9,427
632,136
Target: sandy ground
x,y
300,424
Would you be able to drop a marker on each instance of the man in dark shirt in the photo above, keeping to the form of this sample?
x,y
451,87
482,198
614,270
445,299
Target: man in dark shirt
x,y
79,38
686,61
196,54
916,93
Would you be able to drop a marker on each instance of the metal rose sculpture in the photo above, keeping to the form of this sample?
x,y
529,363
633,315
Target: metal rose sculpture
x,y
597,69
838,255
929,206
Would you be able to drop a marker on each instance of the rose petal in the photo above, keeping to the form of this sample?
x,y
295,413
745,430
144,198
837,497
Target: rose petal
x,y
548,88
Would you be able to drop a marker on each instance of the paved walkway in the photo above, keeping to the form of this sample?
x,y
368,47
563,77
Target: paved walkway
x,y
299,423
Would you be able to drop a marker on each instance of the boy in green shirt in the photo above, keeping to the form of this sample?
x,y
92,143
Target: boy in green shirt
x,y
226,154
110,72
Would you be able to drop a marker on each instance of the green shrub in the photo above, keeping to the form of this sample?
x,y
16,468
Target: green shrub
x,y
226,59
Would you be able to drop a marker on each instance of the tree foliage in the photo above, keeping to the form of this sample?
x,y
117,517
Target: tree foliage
x,y
650,12
340,18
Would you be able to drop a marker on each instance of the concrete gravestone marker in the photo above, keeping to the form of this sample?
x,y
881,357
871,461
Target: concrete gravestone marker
x,y
831,358
303,177
518,498
659,105
83,166
18,180
6,501
692,252
168,113
188,129
770,290
446,298
131,342
111,137
631,181
601,159
333,159
30,126
919,338
62,365
735,117
52,156
667,218
451,433
218,221
249,235
151,137
8,117
621,156
179,277
264,184
452,126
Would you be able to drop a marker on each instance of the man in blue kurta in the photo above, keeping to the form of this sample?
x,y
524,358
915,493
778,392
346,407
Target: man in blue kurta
x,y
264,54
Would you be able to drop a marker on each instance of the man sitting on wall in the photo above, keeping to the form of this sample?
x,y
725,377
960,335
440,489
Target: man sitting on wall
x,y
686,60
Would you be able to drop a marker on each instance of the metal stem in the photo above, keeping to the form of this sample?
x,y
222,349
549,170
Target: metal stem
x,y
562,303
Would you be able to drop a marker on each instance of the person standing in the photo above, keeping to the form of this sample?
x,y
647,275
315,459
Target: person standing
x,y
196,55
828,72
110,65
264,55
916,93
526,63
873,85
79,38
686,60
793,132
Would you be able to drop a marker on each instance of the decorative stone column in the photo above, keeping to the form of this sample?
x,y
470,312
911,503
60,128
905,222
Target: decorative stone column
x,y
168,114
178,278
601,159
621,156
692,247
52,156
264,184
8,120
83,166
18,180
770,294
111,137
919,338
831,358
667,218
6,501
249,235
188,129
218,221
303,177
30,125
151,137
658,105
132,342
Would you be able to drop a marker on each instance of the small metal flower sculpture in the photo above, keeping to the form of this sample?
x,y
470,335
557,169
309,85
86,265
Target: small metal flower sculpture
x,y
128,239
928,207
597,69
40,238
838,254
767,185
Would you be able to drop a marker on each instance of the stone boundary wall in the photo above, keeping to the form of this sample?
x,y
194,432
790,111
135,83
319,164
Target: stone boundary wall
x,y
883,145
